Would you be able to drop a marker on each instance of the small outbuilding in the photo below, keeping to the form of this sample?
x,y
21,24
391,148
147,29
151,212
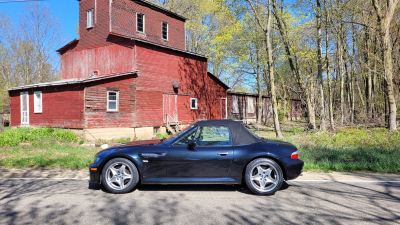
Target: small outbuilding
x,y
244,107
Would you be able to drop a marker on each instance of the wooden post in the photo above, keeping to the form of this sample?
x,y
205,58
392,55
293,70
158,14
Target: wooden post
x,y
1,124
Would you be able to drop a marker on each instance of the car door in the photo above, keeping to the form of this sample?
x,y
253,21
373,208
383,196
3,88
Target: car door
x,y
211,157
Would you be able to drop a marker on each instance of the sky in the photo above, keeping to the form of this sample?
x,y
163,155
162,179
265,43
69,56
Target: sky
x,y
66,10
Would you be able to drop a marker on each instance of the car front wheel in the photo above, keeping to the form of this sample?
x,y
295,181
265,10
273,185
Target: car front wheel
x,y
264,176
120,175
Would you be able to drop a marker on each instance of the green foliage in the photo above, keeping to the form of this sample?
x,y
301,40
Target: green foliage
x,y
372,138
124,140
161,136
34,135
281,116
296,130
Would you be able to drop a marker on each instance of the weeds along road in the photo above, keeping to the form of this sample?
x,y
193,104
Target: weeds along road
x,y
52,201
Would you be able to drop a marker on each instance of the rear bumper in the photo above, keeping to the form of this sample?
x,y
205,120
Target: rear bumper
x,y
294,168
94,174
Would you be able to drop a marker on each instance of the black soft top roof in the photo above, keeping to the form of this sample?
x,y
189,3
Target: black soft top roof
x,y
240,135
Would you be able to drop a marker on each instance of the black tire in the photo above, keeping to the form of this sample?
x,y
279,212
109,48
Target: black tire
x,y
117,181
263,176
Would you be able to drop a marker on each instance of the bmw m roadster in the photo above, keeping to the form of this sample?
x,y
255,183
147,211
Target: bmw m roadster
x,y
206,152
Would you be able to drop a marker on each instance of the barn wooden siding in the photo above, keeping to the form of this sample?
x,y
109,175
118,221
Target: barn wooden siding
x,y
123,22
96,114
62,106
244,115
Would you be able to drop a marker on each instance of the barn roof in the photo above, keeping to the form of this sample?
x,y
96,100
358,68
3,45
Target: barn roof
x,y
160,9
67,82
218,80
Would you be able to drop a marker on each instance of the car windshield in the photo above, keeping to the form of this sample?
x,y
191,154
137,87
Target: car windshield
x,y
178,134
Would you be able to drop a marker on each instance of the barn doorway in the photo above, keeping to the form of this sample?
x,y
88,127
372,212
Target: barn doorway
x,y
170,109
223,108
24,108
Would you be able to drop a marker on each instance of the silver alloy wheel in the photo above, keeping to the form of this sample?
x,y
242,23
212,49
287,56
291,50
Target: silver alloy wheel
x,y
264,177
118,176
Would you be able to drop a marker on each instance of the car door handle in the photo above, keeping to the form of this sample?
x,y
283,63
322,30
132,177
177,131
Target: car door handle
x,y
223,153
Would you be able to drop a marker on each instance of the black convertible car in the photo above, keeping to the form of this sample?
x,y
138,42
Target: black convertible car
x,y
207,152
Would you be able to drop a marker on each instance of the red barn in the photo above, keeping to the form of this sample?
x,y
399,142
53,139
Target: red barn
x,y
128,75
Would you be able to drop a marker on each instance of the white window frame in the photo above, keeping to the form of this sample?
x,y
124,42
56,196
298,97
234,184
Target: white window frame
x,y
27,107
35,102
196,105
144,23
89,18
117,101
162,24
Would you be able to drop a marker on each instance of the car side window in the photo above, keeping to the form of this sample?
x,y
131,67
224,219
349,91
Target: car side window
x,y
185,139
214,136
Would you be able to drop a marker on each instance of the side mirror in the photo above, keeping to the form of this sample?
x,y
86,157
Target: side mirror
x,y
192,144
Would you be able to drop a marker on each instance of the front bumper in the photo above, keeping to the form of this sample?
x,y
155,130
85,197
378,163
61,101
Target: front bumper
x,y
94,172
294,168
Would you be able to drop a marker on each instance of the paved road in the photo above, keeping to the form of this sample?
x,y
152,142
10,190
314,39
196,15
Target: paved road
x,y
52,201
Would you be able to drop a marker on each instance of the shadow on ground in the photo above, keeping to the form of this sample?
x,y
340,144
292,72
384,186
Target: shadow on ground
x,y
44,201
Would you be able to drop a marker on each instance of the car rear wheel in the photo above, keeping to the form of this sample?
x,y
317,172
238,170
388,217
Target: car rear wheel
x,y
264,176
120,175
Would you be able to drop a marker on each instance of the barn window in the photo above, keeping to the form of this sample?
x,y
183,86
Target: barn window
x,y
112,101
250,105
140,22
295,106
235,104
37,100
165,31
193,103
89,18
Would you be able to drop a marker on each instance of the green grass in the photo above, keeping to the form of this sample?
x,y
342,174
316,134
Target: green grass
x,y
43,147
34,135
348,150
345,150
350,159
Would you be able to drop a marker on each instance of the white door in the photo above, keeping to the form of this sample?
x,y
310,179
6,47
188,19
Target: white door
x,y
170,108
24,108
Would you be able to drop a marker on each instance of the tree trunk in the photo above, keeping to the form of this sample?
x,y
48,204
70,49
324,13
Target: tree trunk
x,y
341,80
384,20
328,76
285,112
271,74
259,102
1,124
270,62
319,55
293,63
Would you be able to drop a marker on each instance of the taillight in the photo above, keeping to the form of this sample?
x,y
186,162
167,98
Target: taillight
x,y
294,155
